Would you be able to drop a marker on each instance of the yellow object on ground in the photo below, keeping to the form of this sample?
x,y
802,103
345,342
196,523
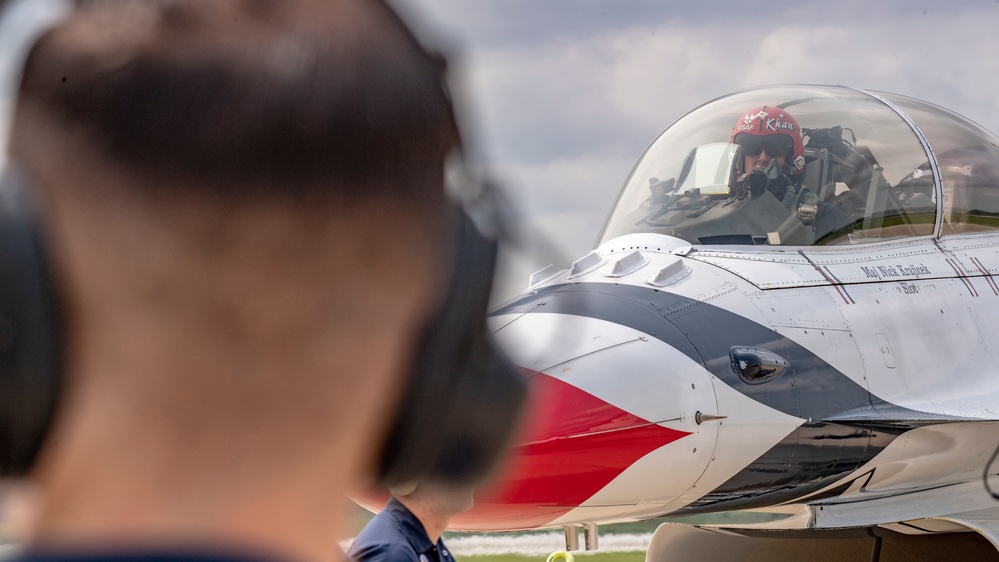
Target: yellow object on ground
x,y
560,556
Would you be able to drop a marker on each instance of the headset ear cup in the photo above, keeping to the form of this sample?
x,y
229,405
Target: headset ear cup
x,y
30,341
463,397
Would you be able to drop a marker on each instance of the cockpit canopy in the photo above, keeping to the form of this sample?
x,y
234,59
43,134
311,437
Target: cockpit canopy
x,y
869,174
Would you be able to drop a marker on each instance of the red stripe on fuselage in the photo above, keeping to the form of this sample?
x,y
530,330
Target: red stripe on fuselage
x,y
572,445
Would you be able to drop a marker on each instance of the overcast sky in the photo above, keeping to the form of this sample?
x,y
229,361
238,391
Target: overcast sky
x,y
564,95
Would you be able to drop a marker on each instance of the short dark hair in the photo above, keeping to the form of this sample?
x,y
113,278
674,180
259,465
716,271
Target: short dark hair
x,y
249,95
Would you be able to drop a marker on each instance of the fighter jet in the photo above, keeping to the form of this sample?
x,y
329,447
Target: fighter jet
x,y
792,310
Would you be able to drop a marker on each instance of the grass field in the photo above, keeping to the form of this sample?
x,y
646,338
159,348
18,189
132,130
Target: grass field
x,y
595,557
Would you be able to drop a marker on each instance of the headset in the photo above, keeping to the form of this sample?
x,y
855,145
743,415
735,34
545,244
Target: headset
x,y
462,398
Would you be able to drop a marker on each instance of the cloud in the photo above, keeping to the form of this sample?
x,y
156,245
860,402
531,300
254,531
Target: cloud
x,y
569,198
568,93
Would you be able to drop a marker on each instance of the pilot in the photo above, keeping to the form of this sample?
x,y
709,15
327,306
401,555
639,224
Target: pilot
x,y
409,528
773,153
774,161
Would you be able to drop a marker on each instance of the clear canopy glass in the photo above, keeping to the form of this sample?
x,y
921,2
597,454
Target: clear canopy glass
x,y
867,176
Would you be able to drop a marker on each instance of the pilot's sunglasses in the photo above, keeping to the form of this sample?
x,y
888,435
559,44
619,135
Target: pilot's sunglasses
x,y
775,149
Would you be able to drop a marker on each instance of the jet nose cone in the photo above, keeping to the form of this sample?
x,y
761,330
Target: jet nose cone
x,y
612,419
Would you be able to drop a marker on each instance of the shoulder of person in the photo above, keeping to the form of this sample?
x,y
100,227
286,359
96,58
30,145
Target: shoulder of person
x,y
383,552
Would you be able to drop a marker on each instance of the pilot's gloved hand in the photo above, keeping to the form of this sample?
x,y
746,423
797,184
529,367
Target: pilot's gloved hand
x,y
808,207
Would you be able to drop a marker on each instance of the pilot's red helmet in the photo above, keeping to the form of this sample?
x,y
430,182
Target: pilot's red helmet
x,y
765,122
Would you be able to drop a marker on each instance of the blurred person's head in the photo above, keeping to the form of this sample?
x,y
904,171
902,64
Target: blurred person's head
x,y
244,208
443,501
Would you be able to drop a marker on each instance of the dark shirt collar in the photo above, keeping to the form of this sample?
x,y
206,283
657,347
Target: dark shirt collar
x,y
411,526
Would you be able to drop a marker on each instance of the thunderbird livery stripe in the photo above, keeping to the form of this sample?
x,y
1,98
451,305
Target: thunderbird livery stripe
x,y
808,459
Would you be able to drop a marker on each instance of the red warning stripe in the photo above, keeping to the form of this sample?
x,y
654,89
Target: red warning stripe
x,y
988,278
836,284
573,444
961,275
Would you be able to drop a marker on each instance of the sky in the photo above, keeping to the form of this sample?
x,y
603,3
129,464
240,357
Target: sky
x,y
560,98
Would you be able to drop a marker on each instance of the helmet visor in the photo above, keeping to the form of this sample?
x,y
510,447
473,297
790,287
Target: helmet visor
x,y
775,145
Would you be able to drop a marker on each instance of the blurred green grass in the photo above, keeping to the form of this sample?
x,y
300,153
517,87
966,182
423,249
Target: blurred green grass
x,y
580,557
